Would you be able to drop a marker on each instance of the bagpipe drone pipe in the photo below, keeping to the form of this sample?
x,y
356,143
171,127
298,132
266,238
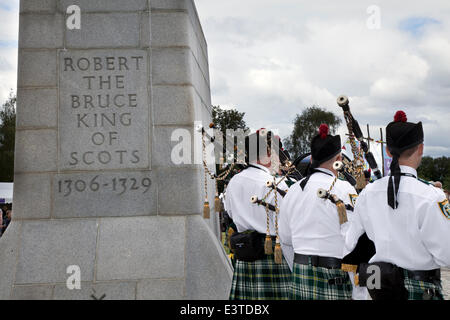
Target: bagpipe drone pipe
x,y
355,132
365,248
239,159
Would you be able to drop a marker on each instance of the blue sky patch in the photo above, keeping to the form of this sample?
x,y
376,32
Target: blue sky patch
x,y
416,25
8,43
9,5
4,6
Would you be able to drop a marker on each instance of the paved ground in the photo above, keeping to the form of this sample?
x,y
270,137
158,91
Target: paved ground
x,y
445,274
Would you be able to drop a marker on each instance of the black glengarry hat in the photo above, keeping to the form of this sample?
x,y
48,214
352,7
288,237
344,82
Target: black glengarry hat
x,y
401,136
324,146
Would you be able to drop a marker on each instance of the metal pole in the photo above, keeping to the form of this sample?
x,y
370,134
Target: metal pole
x,y
382,149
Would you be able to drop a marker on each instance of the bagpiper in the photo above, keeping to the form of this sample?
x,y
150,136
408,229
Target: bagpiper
x,y
261,272
407,220
314,226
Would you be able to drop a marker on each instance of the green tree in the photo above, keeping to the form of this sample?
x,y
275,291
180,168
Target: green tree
x,y
446,182
7,136
306,127
426,169
228,119
435,169
442,167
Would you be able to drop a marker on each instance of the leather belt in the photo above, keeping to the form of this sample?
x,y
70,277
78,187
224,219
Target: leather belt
x,y
432,276
318,261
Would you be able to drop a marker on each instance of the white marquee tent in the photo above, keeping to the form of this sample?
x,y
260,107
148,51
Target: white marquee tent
x,y
6,192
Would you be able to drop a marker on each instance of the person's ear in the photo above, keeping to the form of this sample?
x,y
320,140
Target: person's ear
x,y
420,149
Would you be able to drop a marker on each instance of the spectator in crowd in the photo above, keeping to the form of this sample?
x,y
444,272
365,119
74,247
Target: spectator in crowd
x,y
6,221
3,210
447,194
1,222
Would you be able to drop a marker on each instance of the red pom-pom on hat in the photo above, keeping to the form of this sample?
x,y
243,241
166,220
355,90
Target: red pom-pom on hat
x,y
323,130
400,116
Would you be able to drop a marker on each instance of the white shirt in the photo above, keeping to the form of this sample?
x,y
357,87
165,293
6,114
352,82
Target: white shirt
x,y
310,224
415,236
247,215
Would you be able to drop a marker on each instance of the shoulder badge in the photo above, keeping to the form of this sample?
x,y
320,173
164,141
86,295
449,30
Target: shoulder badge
x,y
445,208
353,198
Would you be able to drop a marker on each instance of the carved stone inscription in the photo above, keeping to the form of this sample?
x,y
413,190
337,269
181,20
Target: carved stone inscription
x,y
104,110
104,194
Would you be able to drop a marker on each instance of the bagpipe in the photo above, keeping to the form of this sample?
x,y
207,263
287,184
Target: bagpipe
x,y
327,195
288,172
356,167
231,167
270,184
271,207
341,206
365,248
285,170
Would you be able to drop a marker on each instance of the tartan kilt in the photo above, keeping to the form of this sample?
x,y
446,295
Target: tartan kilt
x,y
261,280
311,283
417,288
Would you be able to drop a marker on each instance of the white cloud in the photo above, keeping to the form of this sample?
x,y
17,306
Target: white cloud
x,y
272,58
9,18
275,58
9,26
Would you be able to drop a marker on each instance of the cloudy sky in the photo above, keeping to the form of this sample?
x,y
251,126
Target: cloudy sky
x,y
272,58
9,32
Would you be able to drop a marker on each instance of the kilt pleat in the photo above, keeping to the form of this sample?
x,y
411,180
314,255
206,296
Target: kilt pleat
x,y
261,280
311,283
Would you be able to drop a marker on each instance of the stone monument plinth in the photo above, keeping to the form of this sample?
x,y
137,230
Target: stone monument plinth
x,y
95,188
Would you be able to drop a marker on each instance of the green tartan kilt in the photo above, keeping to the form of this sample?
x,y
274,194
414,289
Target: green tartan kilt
x,y
311,283
261,280
416,289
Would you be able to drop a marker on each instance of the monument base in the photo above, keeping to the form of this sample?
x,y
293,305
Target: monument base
x,y
117,258
101,209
